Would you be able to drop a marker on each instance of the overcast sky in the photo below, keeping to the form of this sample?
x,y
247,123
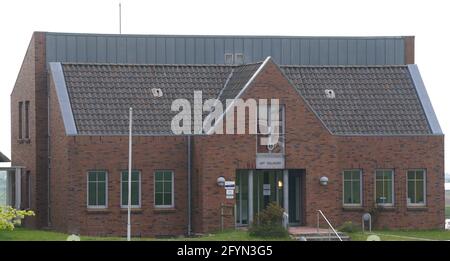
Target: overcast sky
x,y
428,20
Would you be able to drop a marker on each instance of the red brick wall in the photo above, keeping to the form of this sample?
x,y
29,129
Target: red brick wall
x,y
59,162
111,154
309,146
31,86
399,154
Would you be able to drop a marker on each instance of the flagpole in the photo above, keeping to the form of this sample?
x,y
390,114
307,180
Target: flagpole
x,y
129,176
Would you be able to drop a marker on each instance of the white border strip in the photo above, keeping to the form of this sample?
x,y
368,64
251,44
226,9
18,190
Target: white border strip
x,y
424,99
63,97
240,94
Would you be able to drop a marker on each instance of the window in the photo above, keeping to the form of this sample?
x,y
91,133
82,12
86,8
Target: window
x,y
228,58
97,189
352,187
20,120
27,119
164,189
135,189
239,58
384,186
270,131
416,187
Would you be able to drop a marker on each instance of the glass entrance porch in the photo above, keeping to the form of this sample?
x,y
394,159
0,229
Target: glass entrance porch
x,y
10,186
255,189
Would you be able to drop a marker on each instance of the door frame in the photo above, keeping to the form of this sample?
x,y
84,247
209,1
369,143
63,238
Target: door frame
x,y
286,173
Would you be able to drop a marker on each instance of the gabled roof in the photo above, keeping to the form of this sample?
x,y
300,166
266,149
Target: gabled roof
x,y
375,100
369,100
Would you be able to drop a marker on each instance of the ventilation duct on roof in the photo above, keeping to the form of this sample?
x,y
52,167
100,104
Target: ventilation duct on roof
x,y
157,92
330,94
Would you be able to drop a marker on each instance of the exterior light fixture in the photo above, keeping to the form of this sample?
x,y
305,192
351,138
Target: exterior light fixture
x,y
323,181
221,181
280,184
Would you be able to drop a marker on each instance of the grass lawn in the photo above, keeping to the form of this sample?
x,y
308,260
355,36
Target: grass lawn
x,y
23,234
403,235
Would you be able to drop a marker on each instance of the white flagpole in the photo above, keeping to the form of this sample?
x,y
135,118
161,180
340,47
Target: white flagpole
x,y
129,176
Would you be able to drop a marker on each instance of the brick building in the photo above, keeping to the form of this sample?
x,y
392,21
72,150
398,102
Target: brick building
x,y
358,133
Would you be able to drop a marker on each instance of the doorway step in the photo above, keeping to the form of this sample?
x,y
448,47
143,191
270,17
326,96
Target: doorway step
x,y
311,234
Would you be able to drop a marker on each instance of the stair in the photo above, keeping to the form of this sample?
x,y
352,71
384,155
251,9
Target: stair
x,y
322,236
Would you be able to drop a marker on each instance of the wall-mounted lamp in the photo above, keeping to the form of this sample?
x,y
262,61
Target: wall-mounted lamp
x,y
280,184
323,181
221,181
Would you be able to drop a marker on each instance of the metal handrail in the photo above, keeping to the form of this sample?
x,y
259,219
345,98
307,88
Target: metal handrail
x,y
328,222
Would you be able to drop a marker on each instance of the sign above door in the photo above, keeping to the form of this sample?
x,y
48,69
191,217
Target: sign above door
x,y
269,161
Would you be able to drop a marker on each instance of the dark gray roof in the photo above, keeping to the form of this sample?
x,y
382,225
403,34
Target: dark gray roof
x,y
379,100
101,95
238,78
375,100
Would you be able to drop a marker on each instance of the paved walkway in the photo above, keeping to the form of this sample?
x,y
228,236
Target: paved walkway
x,y
306,230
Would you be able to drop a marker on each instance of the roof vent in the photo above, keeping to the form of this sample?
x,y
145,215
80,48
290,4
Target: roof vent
x,y
228,58
239,58
157,92
330,94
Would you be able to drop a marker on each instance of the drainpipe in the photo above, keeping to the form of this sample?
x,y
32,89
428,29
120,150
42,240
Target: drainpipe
x,y
189,167
48,158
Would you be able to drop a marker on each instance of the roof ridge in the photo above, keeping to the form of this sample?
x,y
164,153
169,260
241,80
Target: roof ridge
x,y
162,64
347,66
148,64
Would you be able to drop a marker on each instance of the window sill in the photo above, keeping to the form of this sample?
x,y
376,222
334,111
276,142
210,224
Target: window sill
x,y
353,208
24,141
98,210
133,210
385,208
164,210
417,208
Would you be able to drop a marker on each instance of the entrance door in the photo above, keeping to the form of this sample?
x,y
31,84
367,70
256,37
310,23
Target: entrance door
x,y
267,188
242,198
296,197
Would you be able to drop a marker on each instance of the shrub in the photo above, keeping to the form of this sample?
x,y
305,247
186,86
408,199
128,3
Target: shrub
x,y
347,227
11,217
268,223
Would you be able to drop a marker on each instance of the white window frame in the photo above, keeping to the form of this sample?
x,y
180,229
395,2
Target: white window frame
x,y
392,188
173,191
235,59
360,189
106,190
140,190
424,189
225,58
281,131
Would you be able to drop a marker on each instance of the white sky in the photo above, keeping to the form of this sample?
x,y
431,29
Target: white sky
x,y
427,20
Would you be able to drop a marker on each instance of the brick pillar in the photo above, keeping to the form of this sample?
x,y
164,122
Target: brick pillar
x,y
409,49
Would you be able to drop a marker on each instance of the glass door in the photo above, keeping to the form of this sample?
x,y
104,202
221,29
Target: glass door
x,y
267,188
241,197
